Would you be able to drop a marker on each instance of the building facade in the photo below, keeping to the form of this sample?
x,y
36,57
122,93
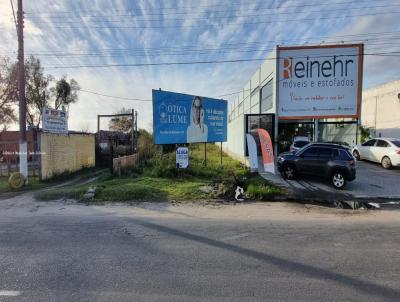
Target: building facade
x,y
256,106
381,110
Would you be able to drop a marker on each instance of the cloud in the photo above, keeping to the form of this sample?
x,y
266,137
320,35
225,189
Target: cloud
x,y
147,31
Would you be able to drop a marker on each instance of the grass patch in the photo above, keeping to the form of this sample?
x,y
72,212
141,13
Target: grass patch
x,y
36,184
155,178
33,184
132,189
262,192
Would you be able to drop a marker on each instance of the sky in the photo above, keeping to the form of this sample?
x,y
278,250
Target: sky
x,y
119,34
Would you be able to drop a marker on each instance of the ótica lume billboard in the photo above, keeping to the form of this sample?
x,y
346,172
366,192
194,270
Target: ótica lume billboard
x,y
183,118
319,81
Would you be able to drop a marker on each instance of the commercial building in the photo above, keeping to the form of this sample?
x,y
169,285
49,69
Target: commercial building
x,y
312,91
381,110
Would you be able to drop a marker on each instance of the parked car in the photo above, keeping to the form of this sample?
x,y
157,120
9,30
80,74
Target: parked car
x,y
344,144
385,151
298,143
330,161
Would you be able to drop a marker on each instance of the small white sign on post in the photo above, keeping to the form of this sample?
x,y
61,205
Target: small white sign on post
x,y
54,121
182,157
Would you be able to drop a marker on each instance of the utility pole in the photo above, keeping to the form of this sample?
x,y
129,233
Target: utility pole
x,y
23,150
133,132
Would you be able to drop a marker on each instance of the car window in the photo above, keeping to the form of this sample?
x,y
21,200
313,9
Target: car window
x,y
369,143
300,144
311,152
396,143
382,143
340,154
325,153
345,155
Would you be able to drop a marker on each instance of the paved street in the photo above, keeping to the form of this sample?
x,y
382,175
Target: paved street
x,y
372,182
61,251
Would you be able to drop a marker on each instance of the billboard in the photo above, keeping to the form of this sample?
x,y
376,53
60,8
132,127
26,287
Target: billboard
x,y
54,121
183,118
319,81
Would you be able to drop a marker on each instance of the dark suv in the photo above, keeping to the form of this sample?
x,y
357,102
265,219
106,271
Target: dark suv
x,y
331,161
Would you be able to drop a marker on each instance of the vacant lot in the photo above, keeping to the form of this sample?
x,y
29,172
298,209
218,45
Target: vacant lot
x,y
157,179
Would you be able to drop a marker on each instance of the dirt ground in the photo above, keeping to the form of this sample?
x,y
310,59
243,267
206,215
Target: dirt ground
x,y
25,206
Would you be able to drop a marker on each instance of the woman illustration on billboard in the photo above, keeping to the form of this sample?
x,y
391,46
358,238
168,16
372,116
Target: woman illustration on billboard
x,y
197,130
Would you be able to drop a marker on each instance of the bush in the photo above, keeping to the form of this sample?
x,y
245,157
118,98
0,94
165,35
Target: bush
x,y
146,149
121,150
365,134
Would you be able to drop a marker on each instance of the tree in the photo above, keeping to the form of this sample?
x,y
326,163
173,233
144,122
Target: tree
x,y
65,93
36,90
365,134
38,95
8,92
121,123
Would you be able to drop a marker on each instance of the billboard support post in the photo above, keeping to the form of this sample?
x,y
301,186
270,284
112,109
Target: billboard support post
x,y
205,154
221,154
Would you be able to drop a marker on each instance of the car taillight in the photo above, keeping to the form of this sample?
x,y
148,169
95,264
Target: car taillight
x,y
351,162
397,151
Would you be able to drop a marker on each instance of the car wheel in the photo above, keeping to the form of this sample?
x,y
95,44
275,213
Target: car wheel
x,y
338,180
386,163
356,155
289,172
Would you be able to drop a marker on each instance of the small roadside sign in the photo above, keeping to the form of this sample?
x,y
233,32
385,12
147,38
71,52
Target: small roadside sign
x,y
182,157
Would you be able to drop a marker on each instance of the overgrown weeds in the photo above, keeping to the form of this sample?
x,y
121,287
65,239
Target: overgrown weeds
x,y
156,178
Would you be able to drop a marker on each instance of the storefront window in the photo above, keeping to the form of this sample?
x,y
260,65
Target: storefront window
x,y
266,97
259,121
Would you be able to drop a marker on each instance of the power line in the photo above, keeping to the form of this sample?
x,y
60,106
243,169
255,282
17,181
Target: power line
x,y
142,100
114,97
393,53
132,12
13,12
234,45
232,23
67,21
213,51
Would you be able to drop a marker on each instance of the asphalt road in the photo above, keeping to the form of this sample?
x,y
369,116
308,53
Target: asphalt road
x,y
79,253
372,183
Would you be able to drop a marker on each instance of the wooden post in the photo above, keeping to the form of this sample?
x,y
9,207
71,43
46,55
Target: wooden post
x,y
133,131
221,153
205,154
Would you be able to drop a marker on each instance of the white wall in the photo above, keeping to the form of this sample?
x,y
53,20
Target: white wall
x,y
235,145
381,110
248,101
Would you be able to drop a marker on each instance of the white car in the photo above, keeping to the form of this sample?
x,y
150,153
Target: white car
x,y
298,143
381,150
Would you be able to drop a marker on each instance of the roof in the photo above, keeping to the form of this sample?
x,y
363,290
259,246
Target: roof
x,y
387,138
327,145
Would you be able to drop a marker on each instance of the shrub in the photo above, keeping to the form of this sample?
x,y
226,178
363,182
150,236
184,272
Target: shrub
x,y
146,148
365,134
